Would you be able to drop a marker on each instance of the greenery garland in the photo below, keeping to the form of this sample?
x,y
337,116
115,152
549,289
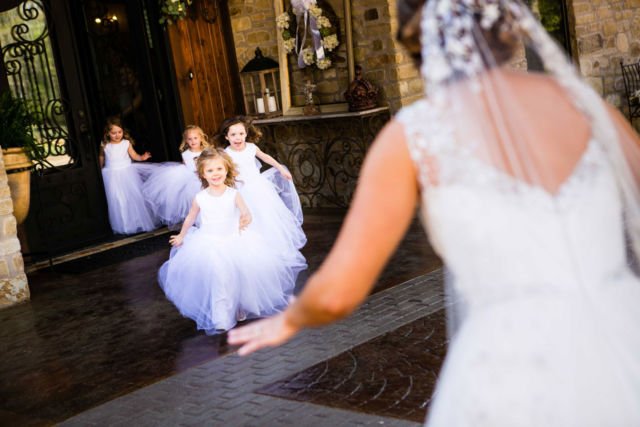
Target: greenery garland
x,y
173,10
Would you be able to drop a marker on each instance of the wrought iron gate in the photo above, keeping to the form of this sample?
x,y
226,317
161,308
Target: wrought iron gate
x,y
42,67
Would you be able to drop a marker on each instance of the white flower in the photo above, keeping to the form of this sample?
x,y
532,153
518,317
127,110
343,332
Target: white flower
x,y
330,42
282,21
444,7
308,56
315,11
437,68
323,63
323,22
456,47
490,15
289,44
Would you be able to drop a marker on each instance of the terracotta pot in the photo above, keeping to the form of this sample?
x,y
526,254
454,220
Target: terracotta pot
x,y
18,167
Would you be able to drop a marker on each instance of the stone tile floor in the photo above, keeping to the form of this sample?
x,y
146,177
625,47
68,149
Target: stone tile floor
x,y
99,327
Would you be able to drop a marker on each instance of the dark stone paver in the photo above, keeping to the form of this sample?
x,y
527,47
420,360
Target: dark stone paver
x,y
392,375
224,391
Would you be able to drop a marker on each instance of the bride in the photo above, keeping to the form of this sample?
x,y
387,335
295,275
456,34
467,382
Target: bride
x,y
528,184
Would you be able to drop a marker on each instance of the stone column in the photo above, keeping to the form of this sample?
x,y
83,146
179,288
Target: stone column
x,y
14,288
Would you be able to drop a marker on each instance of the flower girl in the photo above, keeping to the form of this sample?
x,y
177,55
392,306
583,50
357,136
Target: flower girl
x,y
169,191
123,180
223,271
280,223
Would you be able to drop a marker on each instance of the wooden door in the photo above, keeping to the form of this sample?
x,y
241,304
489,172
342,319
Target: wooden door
x,y
205,65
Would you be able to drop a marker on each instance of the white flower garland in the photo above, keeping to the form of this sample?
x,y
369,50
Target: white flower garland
x,y
310,50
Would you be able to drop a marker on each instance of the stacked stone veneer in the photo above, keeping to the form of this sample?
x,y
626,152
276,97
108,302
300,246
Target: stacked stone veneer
x,y
253,24
383,60
606,32
13,282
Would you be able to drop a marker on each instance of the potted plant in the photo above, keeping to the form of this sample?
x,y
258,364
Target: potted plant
x,y
19,149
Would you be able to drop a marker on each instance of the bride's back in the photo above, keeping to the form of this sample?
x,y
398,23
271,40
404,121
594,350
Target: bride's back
x,y
538,123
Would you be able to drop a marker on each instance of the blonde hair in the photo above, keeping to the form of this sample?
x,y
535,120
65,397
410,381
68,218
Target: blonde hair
x,y
204,139
213,153
111,122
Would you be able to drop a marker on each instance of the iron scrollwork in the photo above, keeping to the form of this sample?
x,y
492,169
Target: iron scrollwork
x,y
32,75
325,155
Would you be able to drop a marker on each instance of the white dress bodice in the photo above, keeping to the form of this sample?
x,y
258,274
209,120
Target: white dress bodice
x,y
500,236
117,155
189,159
219,215
245,160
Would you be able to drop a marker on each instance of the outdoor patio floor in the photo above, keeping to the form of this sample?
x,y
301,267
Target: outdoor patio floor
x,y
99,327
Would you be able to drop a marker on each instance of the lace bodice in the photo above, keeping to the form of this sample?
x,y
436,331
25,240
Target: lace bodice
x,y
218,214
500,236
189,158
117,155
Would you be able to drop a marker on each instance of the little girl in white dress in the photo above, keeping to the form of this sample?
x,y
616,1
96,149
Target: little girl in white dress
x,y
171,188
123,180
223,271
280,224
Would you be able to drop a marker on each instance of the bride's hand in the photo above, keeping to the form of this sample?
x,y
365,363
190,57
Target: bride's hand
x,y
263,333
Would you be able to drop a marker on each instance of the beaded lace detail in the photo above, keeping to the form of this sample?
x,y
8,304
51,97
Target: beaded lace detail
x,y
441,161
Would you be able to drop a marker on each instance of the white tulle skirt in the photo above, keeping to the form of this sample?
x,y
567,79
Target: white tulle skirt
x,y
274,220
170,190
128,212
286,189
217,280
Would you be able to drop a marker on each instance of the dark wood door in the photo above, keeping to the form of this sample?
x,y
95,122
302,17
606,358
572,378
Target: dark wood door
x,y
205,65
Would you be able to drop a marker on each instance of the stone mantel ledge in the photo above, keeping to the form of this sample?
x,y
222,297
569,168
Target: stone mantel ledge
x,y
321,116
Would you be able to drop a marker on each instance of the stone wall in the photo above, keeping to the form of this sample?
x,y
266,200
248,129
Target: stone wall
x,y
384,61
606,32
13,282
253,24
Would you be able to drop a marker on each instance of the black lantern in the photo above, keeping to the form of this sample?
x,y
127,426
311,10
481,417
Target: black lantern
x,y
261,86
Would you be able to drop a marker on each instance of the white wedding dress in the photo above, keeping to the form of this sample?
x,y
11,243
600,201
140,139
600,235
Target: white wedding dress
x,y
550,311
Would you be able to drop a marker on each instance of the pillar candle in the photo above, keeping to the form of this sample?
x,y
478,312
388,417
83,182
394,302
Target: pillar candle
x,y
260,105
271,103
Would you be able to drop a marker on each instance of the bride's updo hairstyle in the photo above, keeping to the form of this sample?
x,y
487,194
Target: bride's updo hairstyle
x,y
502,37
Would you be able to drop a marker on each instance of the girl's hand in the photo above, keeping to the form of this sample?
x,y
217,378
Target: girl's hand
x,y
176,240
245,220
263,333
285,173
146,156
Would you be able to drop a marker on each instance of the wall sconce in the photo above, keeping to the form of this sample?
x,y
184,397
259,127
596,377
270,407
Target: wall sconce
x,y
260,79
106,24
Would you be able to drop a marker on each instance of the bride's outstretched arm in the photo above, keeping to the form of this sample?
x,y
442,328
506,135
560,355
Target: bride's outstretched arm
x,y
381,211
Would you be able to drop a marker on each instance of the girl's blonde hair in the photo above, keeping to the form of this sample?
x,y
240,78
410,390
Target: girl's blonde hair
x,y
111,122
253,133
204,139
213,153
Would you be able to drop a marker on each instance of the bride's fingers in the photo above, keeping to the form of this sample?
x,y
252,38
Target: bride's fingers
x,y
252,346
245,333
